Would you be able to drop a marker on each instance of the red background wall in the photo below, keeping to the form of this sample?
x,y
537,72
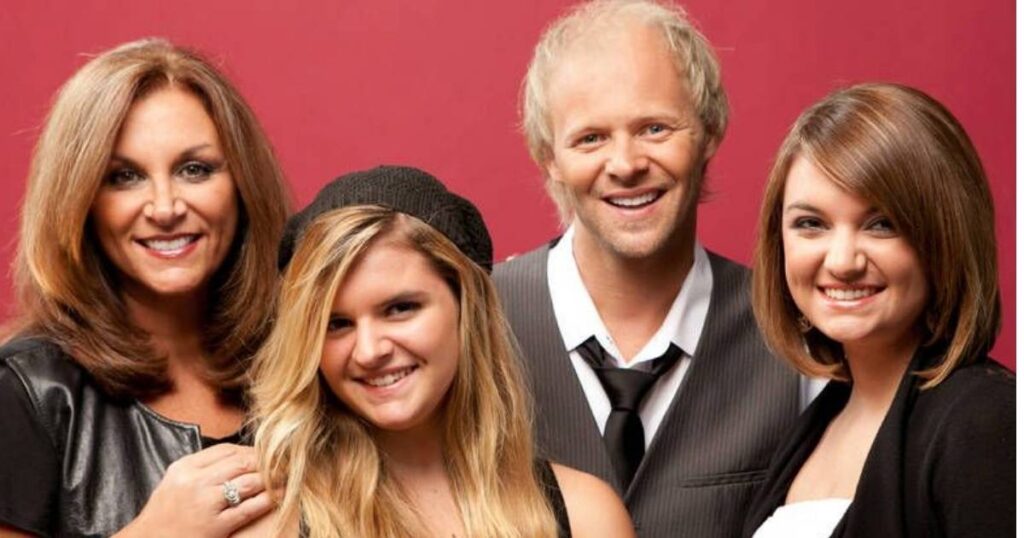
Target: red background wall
x,y
433,83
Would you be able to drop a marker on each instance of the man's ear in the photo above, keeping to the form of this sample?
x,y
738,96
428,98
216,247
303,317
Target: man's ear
x,y
710,146
554,174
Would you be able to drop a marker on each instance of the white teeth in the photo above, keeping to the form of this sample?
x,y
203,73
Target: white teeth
x,y
168,245
634,201
849,294
389,379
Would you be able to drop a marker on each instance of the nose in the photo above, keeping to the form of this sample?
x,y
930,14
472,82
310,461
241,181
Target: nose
x,y
165,207
845,259
626,160
372,347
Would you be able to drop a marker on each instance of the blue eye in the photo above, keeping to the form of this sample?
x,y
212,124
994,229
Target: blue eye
x,y
588,139
124,177
656,128
196,170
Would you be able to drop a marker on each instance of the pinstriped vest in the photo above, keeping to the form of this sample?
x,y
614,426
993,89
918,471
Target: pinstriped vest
x,y
712,449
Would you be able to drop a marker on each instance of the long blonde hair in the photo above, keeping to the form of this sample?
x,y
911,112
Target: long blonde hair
x,y
65,287
335,476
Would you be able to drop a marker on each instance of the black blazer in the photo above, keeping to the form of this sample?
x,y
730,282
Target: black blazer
x,y
942,463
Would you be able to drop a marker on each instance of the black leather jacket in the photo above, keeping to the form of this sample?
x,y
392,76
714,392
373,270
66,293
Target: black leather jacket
x,y
111,454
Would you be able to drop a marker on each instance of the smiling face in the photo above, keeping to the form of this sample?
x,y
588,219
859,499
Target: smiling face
x,y
627,145
167,212
850,272
392,345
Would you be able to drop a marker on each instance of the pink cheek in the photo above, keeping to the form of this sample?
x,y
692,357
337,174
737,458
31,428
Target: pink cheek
x,y
799,266
334,358
326,374
578,171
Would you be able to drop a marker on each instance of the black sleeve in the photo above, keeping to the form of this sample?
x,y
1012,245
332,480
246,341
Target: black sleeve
x,y
974,473
29,463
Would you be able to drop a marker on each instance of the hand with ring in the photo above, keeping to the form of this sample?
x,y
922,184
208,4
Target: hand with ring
x,y
210,494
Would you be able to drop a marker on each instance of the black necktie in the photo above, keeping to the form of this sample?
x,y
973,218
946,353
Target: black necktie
x,y
626,387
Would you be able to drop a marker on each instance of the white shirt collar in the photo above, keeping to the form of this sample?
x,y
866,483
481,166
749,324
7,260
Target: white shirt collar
x,y
578,318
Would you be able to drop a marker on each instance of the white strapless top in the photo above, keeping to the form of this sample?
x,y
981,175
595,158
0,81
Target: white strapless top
x,y
805,519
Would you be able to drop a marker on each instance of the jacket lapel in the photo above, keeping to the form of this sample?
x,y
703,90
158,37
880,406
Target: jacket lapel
x,y
883,467
728,403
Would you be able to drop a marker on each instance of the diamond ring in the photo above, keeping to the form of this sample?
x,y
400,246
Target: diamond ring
x,y
231,494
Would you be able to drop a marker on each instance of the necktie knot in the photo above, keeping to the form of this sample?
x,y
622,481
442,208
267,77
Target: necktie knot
x,y
625,387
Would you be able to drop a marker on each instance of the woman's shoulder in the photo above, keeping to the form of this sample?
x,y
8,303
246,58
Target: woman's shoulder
x,y
973,407
37,386
594,507
39,361
45,376
27,343
984,384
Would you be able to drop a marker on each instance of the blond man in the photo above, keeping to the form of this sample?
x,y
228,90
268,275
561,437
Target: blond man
x,y
645,362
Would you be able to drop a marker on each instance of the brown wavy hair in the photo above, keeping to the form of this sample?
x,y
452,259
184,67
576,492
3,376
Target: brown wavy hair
x,y
905,154
66,288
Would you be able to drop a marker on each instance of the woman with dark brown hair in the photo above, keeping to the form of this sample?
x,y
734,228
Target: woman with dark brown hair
x,y
876,267
145,260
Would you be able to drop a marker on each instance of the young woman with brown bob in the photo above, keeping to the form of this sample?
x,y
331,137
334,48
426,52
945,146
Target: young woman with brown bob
x,y
876,267
145,260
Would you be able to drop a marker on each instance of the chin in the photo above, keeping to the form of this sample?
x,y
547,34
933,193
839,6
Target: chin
x,y
175,288
637,248
387,416
845,334
395,423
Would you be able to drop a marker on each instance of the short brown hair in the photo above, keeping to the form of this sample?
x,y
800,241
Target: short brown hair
x,y
65,286
905,154
696,65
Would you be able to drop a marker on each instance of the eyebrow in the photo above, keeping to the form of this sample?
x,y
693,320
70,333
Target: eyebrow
x,y
400,297
669,117
185,154
404,296
803,206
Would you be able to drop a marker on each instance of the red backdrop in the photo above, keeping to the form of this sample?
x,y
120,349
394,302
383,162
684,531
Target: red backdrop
x,y
433,83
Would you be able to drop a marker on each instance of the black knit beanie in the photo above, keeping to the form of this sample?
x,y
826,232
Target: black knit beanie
x,y
403,189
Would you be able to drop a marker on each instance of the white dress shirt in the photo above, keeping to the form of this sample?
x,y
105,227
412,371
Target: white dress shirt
x,y
578,320
806,519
